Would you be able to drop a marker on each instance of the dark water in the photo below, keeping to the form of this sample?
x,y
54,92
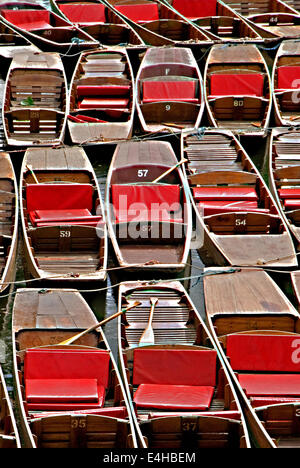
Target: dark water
x,y
104,303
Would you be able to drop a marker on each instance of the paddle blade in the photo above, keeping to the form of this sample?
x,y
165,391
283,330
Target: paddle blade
x,y
147,337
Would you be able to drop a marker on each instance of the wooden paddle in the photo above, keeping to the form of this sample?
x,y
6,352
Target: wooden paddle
x,y
169,170
32,173
100,324
148,334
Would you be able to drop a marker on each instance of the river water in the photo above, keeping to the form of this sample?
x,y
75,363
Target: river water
x,y
103,303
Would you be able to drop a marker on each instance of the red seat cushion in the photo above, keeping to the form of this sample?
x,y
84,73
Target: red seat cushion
x,y
113,412
155,91
215,414
55,217
140,13
265,401
44,363
61,366
225,194
28,19
62,390
216,207
58,215
237,85
174,367
94,103
288,77
84,13
286,385
93,222
210,208
59,196
102,90
155,202
289,193
292,204
266,353
173,397
193,9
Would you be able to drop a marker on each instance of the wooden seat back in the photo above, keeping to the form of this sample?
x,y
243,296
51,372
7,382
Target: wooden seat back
x,y
81,431
193,432
65,239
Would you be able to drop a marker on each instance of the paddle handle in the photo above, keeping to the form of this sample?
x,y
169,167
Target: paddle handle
x,y
100,324
169,171
148,334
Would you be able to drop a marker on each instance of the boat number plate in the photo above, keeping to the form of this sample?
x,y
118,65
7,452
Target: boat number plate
x,y
189,426
273,20
78,423
65,234
238,102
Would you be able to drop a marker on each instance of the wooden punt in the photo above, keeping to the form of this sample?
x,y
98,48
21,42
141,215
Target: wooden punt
x,y
286,84
62,217
44,28
272,19
149,223
218,21
12,42
157,23
99,419
258,332
169,90
238,89
8,221
180,337
35,100
237,219
284,176
9,435
93,17
102,97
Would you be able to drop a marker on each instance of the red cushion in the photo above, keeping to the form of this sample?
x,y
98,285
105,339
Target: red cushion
x,y
84,13
94,103
174,367
289,193
139,13
265,401
292,204
58,215
102,90
154,91
125,195
270,384
173,397
67,364
113,412
61,390
237,85
210,208
224,194
28,19
146,202
193,9
59,196
94,221
288,77
215,414
271,353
